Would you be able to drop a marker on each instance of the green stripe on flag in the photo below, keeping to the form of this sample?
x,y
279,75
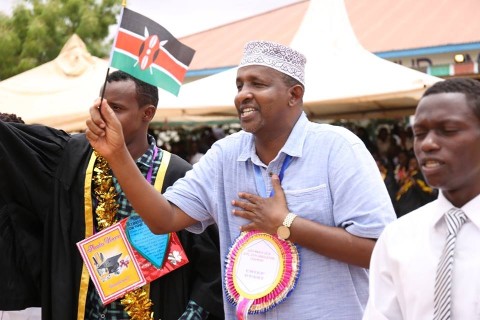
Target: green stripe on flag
x,y
152,76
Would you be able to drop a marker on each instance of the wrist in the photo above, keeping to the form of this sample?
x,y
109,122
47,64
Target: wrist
x,y
283,231
117,158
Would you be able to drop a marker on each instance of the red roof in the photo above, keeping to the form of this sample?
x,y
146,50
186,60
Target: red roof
x,y
398,25
380,26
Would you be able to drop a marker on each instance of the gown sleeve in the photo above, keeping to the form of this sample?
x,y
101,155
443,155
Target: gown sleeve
x,y
28,159
29,155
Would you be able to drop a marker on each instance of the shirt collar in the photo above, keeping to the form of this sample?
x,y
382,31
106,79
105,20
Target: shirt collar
x,y
146,160
293,146
471,209
296,139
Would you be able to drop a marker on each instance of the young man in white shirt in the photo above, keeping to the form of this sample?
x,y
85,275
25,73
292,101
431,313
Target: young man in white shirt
x,y
407,278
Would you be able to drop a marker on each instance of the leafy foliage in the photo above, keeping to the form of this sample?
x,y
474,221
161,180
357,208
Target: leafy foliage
x,y
37,30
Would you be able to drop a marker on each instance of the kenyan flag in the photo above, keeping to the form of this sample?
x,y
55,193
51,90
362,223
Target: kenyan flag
x,y
147,51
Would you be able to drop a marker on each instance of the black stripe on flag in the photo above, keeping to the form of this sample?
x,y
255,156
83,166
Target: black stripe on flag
x,y
136,23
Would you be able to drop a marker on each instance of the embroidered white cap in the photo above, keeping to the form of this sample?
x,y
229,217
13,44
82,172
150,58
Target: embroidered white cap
x,y
276,56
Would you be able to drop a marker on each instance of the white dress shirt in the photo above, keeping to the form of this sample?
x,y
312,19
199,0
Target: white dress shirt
x,y
404,264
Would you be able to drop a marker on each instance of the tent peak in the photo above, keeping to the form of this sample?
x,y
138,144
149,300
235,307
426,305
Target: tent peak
x,y
74,58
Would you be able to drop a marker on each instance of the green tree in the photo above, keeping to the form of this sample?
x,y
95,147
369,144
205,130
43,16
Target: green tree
x,y
37,30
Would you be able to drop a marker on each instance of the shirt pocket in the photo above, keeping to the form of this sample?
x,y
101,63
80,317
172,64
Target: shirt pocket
x,y
313,203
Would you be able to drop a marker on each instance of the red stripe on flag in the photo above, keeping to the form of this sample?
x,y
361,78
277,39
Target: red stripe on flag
x,y
128,43
132,45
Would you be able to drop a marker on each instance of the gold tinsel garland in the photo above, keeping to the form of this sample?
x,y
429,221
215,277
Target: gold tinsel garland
x,y
136,303
410,182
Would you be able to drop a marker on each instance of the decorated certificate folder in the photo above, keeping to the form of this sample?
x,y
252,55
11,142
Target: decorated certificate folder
x,y
126,256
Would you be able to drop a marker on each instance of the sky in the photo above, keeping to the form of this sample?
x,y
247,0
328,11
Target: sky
x,y
184,17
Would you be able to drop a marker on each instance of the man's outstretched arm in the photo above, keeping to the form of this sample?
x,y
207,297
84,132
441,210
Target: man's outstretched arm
x,y
104,132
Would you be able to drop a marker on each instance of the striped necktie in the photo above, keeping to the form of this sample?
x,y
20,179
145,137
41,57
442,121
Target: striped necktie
x,y
455,218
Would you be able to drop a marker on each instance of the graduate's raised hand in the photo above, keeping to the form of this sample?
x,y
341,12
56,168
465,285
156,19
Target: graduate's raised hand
x,y
265,214
104,130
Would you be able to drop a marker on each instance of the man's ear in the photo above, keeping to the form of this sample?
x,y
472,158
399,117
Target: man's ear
x,y
296,94
149,112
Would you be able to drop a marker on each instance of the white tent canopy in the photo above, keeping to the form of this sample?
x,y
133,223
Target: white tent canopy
x,y
58,89
59,92
343,80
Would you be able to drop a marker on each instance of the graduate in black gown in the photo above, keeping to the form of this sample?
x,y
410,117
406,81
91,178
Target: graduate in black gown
x,y
413,191
47,205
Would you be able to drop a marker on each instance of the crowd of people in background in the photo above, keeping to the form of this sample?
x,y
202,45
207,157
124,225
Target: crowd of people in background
x,y
392,148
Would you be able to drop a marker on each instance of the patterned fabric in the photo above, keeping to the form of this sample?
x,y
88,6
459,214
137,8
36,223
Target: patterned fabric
x,y
114,311
455,218
194,312
276,56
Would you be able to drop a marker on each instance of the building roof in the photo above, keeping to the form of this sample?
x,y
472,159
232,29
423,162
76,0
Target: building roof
x,y
380,26
345,80
409,24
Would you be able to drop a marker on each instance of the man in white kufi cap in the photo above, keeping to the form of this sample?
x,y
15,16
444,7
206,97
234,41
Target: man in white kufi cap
x,y
276,56
298,204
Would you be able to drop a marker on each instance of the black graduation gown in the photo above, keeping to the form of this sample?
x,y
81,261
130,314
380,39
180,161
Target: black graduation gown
x,y
414,197
42,170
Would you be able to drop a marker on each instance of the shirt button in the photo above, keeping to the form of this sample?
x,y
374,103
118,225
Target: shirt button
x,y
270,174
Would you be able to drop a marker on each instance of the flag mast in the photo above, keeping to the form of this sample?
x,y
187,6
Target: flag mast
x,y
124,4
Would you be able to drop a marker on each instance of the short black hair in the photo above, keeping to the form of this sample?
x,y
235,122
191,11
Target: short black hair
x,y
291,81
10,117
146,93
469,87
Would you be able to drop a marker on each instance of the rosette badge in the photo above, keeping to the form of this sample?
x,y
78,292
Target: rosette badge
x,y
261,270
